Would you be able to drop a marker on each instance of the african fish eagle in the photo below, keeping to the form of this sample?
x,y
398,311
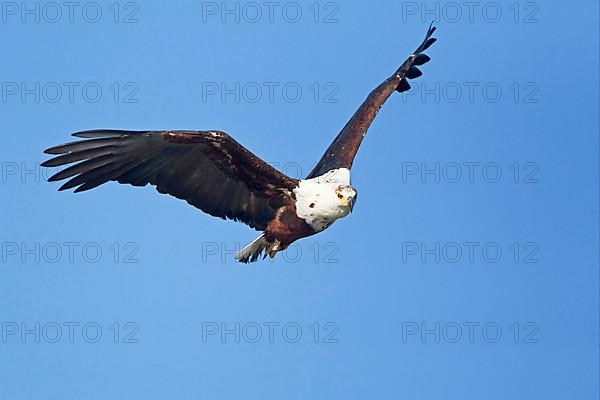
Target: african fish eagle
x,y
216,174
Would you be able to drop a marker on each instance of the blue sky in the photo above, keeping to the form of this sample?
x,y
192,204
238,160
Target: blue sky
x,y
468,269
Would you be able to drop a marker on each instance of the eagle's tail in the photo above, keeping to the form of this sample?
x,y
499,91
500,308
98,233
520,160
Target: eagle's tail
x,y
251,252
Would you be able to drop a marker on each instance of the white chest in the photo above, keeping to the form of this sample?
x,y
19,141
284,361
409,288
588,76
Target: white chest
x,y
317,201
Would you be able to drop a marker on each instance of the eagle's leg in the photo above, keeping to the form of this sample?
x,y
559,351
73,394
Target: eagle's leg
x,y
275,247
283,230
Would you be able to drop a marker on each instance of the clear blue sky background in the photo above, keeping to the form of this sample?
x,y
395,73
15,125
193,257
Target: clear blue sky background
x,y
370,282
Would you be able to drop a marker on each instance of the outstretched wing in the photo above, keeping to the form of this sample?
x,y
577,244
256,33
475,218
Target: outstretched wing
x,y
210,170
342,151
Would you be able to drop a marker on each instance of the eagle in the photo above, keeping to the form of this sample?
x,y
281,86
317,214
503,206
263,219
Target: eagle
x,y
213,172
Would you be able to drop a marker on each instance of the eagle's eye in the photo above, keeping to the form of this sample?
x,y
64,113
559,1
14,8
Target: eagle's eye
x,y
340,196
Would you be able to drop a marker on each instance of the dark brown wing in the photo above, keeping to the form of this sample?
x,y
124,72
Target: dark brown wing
x,y
209,170
342,151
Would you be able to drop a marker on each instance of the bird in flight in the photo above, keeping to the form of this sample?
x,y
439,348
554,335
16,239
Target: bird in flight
x,y
216,174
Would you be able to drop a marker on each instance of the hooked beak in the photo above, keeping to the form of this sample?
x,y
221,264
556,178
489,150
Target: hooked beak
x,y
351,202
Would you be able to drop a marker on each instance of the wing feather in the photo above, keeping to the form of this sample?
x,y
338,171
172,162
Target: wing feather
x,y
208,169
341,152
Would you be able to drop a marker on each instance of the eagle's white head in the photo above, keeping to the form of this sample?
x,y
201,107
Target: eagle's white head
x,y
346,196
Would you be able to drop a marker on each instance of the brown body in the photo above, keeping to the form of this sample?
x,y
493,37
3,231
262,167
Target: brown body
x,y
286,228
